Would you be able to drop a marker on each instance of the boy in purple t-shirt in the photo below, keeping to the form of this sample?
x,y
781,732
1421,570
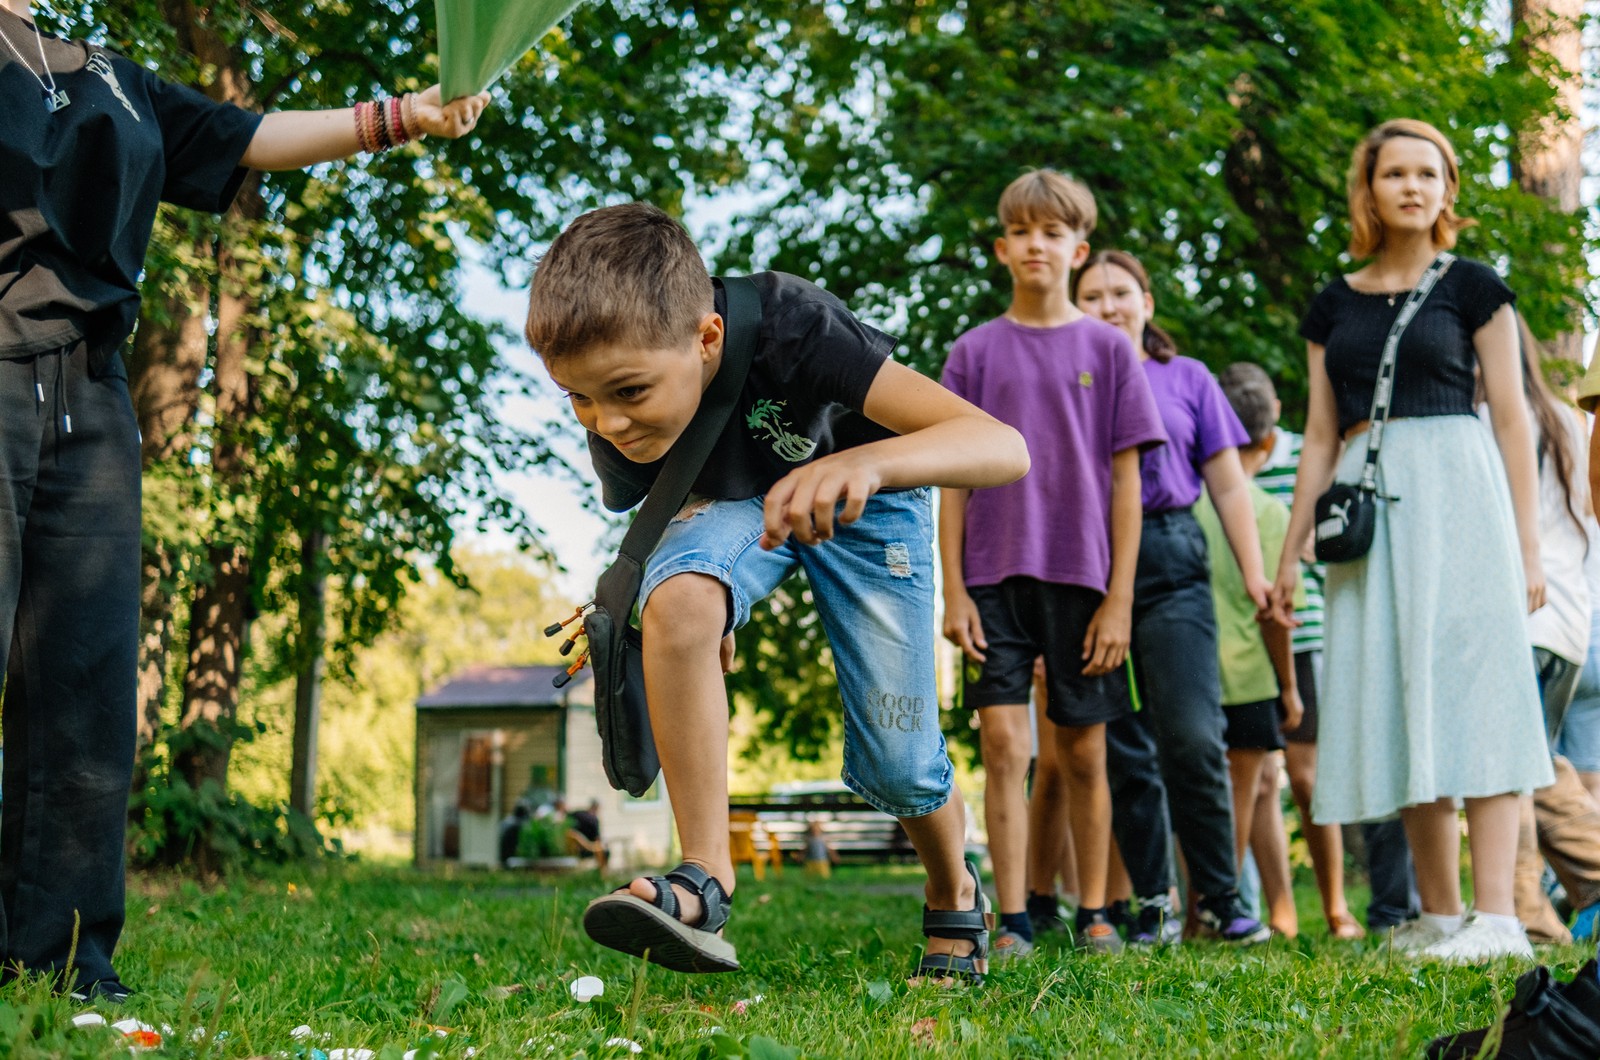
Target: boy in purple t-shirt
x,y
1045,566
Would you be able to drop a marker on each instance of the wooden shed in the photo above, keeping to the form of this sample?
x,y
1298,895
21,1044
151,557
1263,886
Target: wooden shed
x,y
492,735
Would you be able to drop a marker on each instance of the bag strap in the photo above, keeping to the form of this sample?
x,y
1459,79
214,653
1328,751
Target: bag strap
x,y
671,487
1383,389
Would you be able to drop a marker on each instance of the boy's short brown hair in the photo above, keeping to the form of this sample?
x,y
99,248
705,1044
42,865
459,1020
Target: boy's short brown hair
x,y
624,274
1251,395
1045,195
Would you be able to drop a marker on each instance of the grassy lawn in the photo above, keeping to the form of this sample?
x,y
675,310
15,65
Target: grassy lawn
x,y
376,957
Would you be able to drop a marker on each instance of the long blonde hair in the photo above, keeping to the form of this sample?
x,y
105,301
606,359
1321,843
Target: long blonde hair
x,y
1366,229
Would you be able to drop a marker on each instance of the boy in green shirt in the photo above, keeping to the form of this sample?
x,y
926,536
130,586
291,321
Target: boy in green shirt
x,y
1259,692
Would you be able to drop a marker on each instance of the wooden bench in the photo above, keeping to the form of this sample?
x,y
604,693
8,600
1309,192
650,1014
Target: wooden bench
x,y
855,831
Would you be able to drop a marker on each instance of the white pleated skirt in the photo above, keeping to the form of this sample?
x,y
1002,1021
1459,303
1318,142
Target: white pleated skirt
x,y
1429,689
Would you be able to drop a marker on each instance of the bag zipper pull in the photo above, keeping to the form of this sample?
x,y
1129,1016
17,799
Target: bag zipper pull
x,y
562,678
556,627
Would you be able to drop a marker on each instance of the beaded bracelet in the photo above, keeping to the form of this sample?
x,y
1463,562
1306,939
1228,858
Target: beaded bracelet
x,y
387,123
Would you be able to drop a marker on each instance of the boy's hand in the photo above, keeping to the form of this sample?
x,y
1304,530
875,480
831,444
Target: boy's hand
x,y
1260,590
1293,710
1280,609
962,626
802,503
1105,645
727,654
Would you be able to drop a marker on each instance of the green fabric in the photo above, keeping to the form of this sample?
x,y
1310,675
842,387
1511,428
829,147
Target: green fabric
x,y
480,39
1247,673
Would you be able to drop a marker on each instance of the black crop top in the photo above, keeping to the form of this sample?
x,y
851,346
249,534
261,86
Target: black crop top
x,y
1434,370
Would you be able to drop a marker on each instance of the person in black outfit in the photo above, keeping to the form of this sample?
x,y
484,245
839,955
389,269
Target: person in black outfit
x,y
89,144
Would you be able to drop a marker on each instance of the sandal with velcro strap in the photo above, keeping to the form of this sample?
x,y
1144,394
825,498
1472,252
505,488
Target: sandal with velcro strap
x,y
652,930
970,925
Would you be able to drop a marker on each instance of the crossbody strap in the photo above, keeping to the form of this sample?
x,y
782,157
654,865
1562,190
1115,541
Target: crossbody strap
x,y
1383,389
671,487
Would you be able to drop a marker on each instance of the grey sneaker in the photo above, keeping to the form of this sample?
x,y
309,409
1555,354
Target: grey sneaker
x,y
1007,945
1097,936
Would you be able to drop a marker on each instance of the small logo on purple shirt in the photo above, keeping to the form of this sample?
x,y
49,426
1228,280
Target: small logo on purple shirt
x,y
1086,379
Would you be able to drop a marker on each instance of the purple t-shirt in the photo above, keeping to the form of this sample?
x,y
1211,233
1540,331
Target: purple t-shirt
x,y
1200,424
1077,394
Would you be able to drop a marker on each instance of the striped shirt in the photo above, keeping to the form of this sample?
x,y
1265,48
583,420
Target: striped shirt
x,y
1277,478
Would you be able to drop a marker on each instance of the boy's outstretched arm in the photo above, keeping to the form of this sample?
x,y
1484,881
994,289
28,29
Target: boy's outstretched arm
x,y
942,441
1105,645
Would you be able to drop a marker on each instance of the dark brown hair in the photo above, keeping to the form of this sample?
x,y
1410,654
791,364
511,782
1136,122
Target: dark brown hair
x,y
1045,195
1549,418
621,275
1156,342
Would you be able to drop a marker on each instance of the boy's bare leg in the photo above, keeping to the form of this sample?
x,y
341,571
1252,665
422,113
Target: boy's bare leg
x,y
940,839
1082,750
1007,746
1050,842
1324,840
1269,841
1244,770
683,622
1435,837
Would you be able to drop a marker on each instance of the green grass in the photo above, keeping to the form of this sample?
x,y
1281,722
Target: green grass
x,y
374,957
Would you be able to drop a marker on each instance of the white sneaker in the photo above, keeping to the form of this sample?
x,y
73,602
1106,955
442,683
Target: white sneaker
x,y
1415,936
1479,941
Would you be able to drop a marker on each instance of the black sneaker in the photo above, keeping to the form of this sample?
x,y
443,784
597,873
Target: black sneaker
x,y
1156,924
1547,1020
101,991
1224,918
1044,912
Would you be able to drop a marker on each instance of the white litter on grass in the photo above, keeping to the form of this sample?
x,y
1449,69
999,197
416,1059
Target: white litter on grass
x,y
133,1026
88,1019
302,1031
626,1043
587,987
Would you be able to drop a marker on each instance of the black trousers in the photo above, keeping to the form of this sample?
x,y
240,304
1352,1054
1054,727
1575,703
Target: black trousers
x,y
1167,764
69,628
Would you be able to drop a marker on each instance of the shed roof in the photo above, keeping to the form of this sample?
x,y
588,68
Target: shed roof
x,y
481,687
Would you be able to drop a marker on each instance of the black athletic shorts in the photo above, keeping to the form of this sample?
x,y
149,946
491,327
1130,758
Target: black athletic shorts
x,y
1254,726
1024,618
1305,676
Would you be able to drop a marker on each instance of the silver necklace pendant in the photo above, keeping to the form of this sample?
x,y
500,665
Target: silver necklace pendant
x,y
57,100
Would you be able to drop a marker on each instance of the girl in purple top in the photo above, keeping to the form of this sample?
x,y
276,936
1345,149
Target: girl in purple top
x,y
1170,755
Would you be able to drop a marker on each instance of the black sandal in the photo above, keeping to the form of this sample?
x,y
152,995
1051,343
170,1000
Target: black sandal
x,y
652,930
971,925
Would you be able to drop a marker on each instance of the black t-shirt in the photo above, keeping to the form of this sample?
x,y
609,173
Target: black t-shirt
x,y
1433,373
79,188
813,365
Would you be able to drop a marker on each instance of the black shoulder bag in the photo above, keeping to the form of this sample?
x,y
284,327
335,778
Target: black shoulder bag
x,y
614,645
1347,513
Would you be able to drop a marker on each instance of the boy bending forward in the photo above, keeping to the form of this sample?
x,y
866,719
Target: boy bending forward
x,y
825,464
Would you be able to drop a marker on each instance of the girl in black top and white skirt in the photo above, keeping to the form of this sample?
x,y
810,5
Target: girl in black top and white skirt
x,y
90,143
1429,693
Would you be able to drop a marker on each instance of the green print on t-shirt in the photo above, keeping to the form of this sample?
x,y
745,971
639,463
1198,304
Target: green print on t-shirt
x,y
792,447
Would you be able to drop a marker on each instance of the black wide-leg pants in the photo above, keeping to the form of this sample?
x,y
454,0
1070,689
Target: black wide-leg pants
x,y
69,625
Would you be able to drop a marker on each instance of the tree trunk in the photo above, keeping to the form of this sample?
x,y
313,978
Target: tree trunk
x,y
308,680
164,382
220,612
1549,162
